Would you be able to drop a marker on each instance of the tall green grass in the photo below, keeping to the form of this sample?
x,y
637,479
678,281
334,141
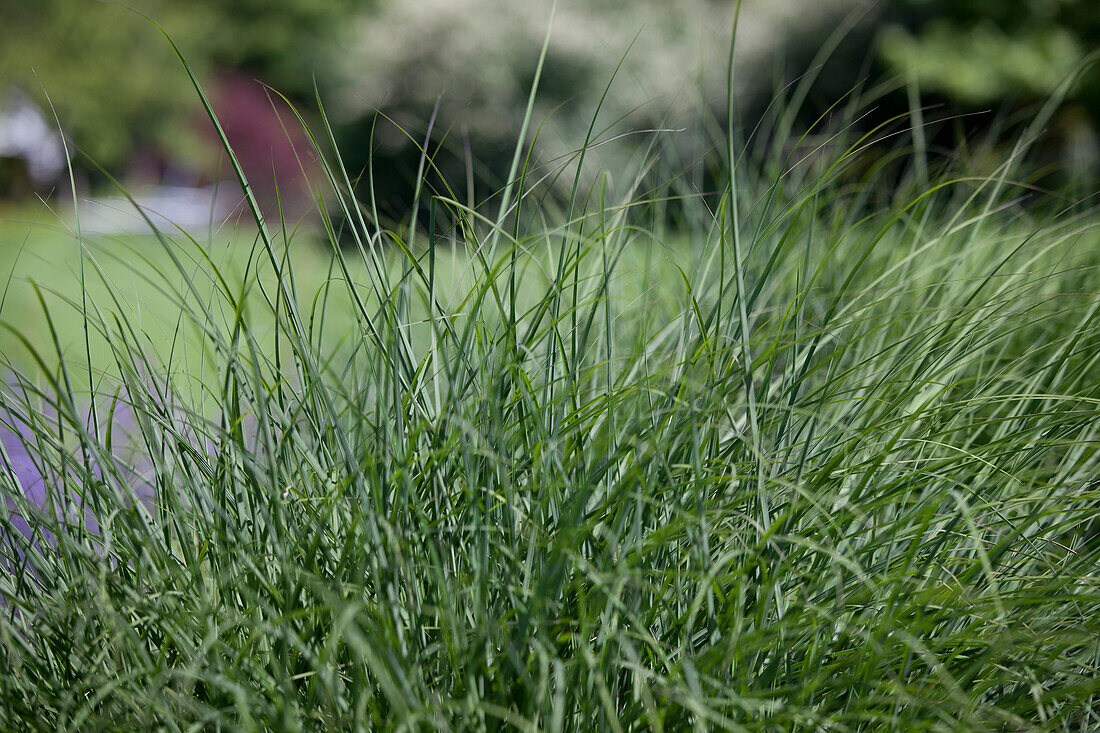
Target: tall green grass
x,y
817,452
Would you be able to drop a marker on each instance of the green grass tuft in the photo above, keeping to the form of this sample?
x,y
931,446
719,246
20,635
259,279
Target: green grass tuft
x,y
821,454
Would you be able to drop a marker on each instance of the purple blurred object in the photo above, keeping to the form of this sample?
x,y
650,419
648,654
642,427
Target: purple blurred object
x,y
269,143
24,470
41,484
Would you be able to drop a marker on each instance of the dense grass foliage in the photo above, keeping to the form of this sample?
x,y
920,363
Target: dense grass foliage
x,y
816,452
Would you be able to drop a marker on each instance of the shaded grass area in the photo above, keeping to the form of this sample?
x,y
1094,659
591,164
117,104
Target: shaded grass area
x,y
822,456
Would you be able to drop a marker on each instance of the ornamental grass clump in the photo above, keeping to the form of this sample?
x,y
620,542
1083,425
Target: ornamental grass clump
x,y
816,452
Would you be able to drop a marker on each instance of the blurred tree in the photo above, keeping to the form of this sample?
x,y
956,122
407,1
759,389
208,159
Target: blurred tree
x,y
284,42
980,52
476,59
101,67
114,80
1008,54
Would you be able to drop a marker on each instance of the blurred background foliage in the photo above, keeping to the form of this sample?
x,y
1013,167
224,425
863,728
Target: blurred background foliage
x,y
116,84
1006,56
983,52
120,94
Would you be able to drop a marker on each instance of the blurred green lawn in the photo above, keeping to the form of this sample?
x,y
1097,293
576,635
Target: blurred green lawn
x,y
131,278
